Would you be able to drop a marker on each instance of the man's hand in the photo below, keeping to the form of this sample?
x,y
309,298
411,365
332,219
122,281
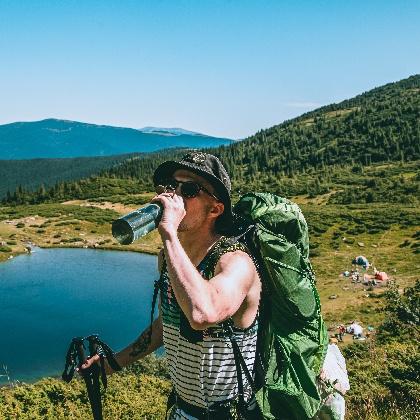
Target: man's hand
x,y
94,359
173,212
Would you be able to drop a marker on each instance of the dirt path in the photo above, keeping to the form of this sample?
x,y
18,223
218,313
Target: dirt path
x,y
118,207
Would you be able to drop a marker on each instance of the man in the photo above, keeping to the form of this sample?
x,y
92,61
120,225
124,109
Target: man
x,y
207,282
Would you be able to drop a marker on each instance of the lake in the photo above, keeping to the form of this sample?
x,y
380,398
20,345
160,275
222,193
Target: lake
x,y
53,295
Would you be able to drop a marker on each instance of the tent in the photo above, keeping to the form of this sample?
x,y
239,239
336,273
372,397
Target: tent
x,y
362,261
355,329
381,276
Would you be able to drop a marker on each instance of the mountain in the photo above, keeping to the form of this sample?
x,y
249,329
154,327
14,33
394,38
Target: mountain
x,y
364,149
169,131
346,149
52,138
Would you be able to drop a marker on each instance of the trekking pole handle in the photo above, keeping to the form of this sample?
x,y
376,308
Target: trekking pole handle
x,y
93,344
80,348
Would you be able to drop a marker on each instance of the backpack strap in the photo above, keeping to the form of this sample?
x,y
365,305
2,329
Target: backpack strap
x,y
156,288
241,367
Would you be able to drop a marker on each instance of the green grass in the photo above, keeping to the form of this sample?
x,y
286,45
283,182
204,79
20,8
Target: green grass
x,y
390,237
68,212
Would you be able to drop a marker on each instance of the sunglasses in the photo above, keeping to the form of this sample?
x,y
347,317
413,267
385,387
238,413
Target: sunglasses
x,y
188,189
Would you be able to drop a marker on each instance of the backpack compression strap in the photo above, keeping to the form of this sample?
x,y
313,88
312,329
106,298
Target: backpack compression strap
x,y
239,359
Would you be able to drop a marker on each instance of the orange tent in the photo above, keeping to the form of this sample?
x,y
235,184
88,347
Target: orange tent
x,y
381,276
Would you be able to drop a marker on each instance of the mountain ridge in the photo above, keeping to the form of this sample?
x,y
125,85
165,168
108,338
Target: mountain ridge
x,y
58,138
174,131
381,125
327,150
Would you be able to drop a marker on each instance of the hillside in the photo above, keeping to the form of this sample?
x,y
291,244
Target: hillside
x,y
39,174
386,233
364,149
52,138
379,126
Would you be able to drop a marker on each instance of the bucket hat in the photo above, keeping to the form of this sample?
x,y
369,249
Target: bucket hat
x,y
210,168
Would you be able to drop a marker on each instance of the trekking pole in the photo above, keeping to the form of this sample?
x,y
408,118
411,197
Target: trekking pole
x,y
75,358
88,378
96,402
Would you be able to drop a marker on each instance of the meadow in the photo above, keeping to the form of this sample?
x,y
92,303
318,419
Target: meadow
x,y
382,370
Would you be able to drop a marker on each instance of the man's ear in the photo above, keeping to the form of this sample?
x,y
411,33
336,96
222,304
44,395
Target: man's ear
x,y
217,209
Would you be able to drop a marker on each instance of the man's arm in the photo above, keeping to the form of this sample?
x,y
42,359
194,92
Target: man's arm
x,y
140,348
204,302
143,345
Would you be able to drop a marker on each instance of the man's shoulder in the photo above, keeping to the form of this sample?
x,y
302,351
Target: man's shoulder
x,y
235,254
235,258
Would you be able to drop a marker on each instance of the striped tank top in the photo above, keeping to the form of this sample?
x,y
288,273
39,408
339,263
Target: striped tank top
x,y
201,363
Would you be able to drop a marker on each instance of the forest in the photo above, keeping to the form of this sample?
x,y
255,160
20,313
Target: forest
x,y
365,149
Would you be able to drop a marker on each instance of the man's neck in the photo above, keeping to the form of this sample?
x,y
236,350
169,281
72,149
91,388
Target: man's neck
x,y
197,245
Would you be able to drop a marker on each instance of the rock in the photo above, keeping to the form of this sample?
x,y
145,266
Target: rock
x,y
361,244
345,288
374,246
333,297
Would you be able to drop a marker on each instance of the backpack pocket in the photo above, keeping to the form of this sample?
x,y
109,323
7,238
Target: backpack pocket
x,y
289,279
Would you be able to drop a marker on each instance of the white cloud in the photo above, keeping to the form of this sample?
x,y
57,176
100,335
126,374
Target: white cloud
x,y
303,104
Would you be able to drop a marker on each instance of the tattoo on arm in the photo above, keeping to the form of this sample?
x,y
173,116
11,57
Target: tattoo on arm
x,y
141,344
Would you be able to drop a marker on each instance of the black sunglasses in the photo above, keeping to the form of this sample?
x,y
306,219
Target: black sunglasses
x,y
188,189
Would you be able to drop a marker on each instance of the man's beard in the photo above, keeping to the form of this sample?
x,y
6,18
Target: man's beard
x,y
182,227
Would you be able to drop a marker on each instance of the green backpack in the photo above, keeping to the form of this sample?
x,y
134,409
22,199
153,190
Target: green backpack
x,y
292,340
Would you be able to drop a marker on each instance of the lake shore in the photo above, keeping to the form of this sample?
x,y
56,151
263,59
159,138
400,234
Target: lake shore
x,y
61,226
25,247
53,295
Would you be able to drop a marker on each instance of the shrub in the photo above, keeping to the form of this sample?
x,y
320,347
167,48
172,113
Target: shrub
x,y
379,388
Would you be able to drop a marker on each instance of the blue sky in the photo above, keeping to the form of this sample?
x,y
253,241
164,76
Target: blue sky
x,y
227,68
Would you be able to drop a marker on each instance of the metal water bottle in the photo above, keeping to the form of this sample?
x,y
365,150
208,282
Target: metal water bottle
x,y
136,224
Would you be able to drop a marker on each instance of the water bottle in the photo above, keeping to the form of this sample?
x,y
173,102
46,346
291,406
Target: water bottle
x,y
136,224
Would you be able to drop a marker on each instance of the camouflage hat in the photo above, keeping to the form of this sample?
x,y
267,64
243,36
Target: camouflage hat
x,y
210,168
